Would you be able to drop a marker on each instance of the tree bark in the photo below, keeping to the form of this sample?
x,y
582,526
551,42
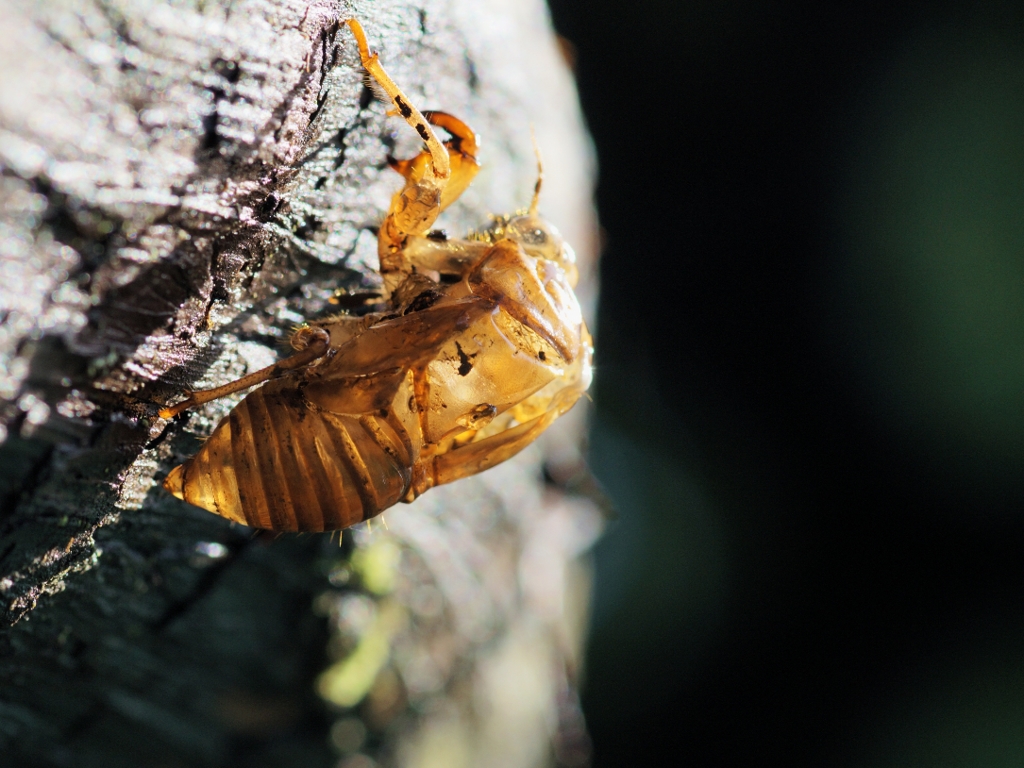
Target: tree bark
x,y
179,184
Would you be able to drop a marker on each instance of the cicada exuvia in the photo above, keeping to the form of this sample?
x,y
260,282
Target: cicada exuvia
x,y
481,347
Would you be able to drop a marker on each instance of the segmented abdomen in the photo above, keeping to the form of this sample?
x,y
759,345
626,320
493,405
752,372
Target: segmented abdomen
x,y
279,463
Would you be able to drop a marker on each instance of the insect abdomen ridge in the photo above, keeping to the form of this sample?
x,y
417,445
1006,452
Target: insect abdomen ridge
x,y
279,463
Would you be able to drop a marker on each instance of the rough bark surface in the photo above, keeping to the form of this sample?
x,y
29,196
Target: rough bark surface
x,y
179,183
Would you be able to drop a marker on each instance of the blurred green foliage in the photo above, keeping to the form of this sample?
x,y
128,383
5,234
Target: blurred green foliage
x,y
933,221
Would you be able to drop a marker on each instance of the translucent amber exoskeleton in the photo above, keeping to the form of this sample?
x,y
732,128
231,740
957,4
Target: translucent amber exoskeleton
x,y
456,376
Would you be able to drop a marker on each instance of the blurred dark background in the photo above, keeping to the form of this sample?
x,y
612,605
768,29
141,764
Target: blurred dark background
x,y
810,395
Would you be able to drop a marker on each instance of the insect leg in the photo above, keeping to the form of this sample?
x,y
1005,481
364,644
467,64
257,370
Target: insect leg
x,y
483,454
435,251
316,347
462,150
449,257
412,115
433,179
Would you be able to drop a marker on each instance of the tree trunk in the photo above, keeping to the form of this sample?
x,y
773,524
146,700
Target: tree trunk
x,y
181,183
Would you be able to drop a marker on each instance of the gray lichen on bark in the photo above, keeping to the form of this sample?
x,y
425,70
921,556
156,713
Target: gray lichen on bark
x,y
180,183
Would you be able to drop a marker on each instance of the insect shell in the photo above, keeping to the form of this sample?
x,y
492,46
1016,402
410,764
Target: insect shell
x,y
458,375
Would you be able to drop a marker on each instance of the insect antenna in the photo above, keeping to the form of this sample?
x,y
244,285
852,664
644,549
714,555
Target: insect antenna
x,y
540,173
